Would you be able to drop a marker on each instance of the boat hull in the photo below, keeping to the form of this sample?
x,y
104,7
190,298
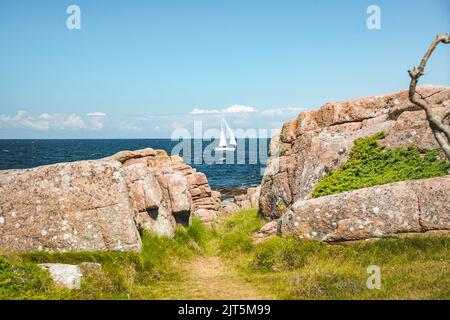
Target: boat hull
x,y
224,149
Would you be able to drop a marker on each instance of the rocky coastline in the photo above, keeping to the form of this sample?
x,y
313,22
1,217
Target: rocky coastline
x,y
106,204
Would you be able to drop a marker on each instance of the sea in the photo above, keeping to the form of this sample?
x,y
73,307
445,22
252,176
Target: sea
x,y
240,169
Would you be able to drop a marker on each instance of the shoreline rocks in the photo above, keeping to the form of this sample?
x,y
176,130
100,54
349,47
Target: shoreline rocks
x,y
318,141
242,201
101,204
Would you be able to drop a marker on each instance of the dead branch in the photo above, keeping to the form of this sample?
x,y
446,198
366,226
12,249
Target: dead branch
x,y
440,130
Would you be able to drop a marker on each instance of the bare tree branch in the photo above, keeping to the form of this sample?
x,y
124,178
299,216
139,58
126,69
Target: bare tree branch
x,y
446,114
440,129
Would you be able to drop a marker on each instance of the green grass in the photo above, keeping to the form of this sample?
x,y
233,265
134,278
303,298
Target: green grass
x,y
23,281
285,268
411,267
370,164
121,276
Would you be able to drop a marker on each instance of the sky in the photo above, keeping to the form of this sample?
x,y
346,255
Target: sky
x,y
141,69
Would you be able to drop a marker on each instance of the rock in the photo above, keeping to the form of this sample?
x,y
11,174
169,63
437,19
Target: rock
x,y
198,179
318,141
396,208
269,230
101,205
164,223
67,207
246,199
232,192
124,156
251,191
254,195
178,192
241,198
229,207
206,216
64,275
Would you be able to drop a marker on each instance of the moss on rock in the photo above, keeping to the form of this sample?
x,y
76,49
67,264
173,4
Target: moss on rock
x,y
371,164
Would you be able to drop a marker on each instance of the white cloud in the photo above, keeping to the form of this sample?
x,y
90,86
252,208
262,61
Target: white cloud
x,y
74,121
237,108
42,122
56,121
96,114
95,119
282,111
247,109
129,126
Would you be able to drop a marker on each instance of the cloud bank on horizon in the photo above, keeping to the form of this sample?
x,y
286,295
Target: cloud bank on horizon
x,y
99,124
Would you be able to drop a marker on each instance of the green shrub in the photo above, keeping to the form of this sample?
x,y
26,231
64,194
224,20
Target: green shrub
x,y
281,254
370,164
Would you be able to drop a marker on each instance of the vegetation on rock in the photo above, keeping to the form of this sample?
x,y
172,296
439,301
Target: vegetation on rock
x,y
370,164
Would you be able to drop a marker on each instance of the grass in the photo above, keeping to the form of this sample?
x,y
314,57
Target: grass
x,y
370,164
121,276
199,262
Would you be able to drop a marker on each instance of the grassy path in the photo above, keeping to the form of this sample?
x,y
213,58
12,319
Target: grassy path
x,y
212,279
208,278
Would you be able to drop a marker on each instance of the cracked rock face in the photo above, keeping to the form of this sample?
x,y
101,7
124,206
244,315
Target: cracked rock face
x,y
101,204
318,141
402,207
68,207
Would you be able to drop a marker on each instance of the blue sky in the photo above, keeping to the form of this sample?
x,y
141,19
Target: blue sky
x,y
138,69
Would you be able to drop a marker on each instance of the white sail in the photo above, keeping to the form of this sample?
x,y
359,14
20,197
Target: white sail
x,y
223,140
232,138
223,147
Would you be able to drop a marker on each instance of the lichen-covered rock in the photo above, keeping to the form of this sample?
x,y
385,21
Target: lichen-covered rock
x,y
64,275
101,204
318,141
68,207
402,207
179,192
166,192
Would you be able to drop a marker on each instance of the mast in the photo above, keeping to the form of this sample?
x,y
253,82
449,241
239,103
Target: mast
x,y
223,140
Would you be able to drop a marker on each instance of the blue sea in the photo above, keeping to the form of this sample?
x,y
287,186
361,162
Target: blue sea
x,y
245,171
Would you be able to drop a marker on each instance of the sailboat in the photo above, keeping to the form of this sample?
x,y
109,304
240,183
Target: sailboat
x,y
223,146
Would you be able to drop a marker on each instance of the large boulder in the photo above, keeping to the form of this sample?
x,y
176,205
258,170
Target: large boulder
x,y
68,207
402,207
101,204
318,141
